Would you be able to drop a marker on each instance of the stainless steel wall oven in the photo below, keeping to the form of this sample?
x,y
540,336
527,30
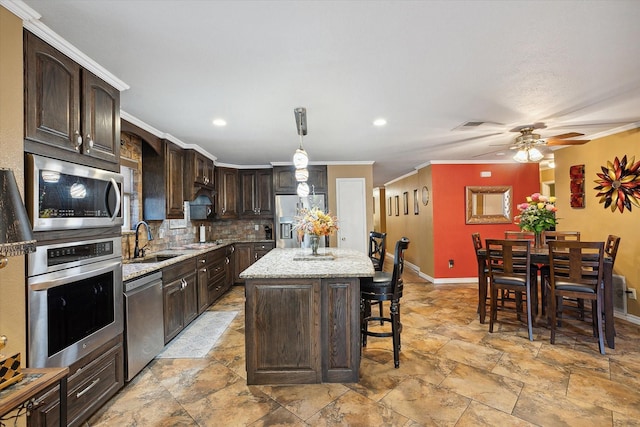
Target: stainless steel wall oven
x,y
74,299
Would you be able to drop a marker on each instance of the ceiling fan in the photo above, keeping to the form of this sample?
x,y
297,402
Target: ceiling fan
x,y
527,143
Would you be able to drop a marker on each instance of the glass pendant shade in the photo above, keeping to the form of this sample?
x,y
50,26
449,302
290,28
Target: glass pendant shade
x,y
521,156
302,175
535,155
303,189
300,158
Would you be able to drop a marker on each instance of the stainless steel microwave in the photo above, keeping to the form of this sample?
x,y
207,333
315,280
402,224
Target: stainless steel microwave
x,y
63,195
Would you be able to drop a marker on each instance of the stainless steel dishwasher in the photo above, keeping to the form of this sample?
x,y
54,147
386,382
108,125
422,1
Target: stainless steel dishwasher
x,y
144,330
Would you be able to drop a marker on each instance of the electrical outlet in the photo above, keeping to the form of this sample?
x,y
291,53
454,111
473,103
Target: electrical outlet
x,y
632,294
257,227
450,263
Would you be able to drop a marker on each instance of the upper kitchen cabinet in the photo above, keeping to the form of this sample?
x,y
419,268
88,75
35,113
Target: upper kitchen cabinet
x,y
284,179
227,187
256,193
69,112
162,181
198,173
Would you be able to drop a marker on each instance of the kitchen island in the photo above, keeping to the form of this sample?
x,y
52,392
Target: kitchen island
x,y
302,317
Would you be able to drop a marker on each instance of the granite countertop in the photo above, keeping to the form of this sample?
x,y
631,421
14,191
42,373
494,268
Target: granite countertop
x,y
299,263
132,270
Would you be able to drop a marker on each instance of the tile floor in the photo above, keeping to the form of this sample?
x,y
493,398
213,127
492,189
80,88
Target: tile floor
x,y
453,372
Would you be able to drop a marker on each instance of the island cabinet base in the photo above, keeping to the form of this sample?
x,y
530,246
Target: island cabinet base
x,y
302,331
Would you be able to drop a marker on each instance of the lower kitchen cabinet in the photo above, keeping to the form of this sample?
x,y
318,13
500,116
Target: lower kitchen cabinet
x,y
248,253
215,275
92,381
180,297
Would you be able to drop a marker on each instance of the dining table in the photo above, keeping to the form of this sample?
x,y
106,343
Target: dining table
x,y
540,256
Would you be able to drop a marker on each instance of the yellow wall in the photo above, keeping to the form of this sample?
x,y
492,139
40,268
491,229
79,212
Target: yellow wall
x,y
417,228
350,171
12,277
593,221
379,211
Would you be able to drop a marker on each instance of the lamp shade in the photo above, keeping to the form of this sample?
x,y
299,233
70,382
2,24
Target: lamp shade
x,y
521,156
535,155
16,237
300,159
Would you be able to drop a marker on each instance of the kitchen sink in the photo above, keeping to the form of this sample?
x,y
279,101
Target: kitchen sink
x,y
151,259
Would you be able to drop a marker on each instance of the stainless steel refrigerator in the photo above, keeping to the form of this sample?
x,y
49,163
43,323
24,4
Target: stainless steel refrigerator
x,y
287,207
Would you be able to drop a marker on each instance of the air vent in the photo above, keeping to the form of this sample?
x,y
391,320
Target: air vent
x,y
474,125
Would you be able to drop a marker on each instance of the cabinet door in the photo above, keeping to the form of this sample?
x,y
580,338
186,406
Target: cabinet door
x,y
227,182
247,193
243,259
174,177
264,192
190,295
100,119
284,180
52,95
260,250
173,309
203,279
231,266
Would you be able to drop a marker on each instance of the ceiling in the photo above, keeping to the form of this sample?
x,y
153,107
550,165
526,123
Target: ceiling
x,y
427,67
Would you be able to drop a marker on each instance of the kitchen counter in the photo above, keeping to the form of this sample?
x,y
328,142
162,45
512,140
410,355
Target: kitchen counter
x,y
132,269
299,263
302,316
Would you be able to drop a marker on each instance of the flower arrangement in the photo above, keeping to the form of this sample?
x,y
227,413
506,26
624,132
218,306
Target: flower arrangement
x,y
537,214
315,222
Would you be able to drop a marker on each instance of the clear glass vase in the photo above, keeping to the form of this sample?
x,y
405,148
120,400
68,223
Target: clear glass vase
x,y
315,242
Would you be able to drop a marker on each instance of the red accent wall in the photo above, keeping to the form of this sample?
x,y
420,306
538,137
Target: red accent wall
x,y
451,236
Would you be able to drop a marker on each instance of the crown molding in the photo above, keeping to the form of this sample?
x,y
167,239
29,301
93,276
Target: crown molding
x,y
31,22
142,125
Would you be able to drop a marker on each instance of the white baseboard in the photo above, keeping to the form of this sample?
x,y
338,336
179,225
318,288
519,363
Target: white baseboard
x,y
628,317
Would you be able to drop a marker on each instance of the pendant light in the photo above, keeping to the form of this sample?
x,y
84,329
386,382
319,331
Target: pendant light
x,y
300,157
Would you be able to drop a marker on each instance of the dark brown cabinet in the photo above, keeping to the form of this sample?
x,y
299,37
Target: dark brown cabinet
x,y
180,297
215,270
198,172
92,382
248,253
227,187
284,179
256,193
162,181
73,113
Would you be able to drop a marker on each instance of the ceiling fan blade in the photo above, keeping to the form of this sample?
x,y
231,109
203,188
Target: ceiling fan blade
x,y
567,135
554,141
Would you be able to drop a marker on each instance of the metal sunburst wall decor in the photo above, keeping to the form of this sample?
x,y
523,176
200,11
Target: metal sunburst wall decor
x,y
619,184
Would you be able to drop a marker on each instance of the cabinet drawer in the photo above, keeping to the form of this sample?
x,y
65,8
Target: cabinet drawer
x,y
177,271
92,385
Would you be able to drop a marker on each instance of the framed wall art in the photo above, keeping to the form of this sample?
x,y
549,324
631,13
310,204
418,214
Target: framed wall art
x,y
397,200
389,206
405,201
576,186
416,204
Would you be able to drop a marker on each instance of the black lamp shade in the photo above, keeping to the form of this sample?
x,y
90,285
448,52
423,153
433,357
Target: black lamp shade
x,y
16,237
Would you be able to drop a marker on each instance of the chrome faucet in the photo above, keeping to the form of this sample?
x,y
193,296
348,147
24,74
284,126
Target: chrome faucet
x,y
139,251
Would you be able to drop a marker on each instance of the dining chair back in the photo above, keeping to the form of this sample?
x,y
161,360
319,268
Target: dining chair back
x,y
510,269
576,270
377,249
377,291
483,276
548,236
520,235
611,248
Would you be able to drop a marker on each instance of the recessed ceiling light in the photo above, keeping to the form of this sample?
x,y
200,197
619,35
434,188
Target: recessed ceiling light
x,y
500,154
379,122
219,122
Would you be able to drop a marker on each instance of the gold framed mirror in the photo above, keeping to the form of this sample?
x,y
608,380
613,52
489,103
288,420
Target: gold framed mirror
x,y
488,205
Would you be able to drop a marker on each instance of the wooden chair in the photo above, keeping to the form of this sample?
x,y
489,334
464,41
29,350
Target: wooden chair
x,y
548,236
522,235
483,276
391,290
510,269
377,252
576,272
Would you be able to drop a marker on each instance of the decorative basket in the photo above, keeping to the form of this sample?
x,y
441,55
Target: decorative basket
x,y
10,371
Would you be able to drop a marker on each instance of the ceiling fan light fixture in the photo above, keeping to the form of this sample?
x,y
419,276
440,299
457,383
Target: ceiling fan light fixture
x,y
521,156
535,155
